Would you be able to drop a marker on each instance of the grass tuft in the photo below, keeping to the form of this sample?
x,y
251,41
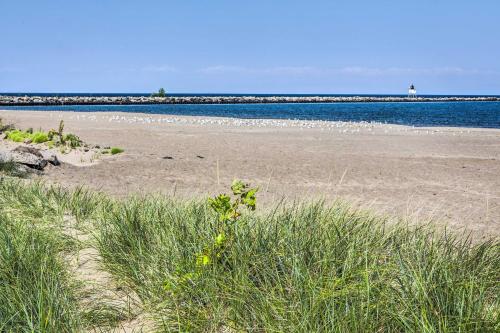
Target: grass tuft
x,y
36,292
39,137
116,150
18,135
21,136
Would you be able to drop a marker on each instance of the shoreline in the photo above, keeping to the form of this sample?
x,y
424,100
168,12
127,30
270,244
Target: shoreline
x,y
135,100
448,174
236,122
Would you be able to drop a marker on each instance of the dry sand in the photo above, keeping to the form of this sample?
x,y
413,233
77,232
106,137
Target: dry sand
x,y
449,174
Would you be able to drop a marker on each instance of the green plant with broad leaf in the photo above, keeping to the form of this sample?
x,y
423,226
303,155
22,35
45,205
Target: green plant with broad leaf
x,y
228,211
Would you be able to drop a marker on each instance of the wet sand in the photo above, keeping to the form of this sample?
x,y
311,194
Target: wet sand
x,y
449,174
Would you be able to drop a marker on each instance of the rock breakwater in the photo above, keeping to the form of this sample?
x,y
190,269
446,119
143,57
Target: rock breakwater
x,y
131,100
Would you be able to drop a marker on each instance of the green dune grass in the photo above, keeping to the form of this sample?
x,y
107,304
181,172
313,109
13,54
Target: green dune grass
x,y
36,293
295,268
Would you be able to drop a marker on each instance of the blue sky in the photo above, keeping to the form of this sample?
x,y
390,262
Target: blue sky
x,y
443,46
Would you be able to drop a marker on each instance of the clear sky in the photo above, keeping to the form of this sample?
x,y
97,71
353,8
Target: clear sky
x,y
349,46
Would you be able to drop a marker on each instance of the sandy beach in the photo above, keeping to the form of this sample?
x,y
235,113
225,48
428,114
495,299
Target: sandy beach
x,y
449,174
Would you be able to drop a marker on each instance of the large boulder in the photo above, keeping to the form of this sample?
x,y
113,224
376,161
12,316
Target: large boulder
x,y
30,157
45,154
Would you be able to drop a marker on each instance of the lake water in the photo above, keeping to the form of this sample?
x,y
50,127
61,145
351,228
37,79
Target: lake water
x,y
455,114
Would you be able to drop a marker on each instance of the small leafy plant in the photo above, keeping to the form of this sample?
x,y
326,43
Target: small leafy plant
x,y
59,134
116,150
228,212
72,140
60,139
52,134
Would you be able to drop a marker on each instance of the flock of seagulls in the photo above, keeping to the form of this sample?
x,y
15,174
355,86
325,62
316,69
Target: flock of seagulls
x,y
342,127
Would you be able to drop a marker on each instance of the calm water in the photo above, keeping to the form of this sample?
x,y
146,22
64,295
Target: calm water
x,y
461,114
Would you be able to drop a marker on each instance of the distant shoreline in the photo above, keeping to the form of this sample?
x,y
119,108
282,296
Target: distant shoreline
x,y
135,100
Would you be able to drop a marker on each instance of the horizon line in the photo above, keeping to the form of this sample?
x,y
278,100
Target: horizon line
x,y
242,93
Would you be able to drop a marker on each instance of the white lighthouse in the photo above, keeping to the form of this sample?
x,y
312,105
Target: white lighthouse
x,y
412,92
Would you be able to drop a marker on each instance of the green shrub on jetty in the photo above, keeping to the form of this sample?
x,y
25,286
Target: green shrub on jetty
x,y
160,93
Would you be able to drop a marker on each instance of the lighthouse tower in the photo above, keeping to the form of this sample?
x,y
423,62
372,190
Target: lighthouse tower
x,y
412,92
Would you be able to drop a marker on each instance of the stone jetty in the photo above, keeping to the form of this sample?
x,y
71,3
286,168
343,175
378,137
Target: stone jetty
x,y
131,100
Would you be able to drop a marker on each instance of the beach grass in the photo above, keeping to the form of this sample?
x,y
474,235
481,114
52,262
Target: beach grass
x,y
36,291
310,268
307,267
